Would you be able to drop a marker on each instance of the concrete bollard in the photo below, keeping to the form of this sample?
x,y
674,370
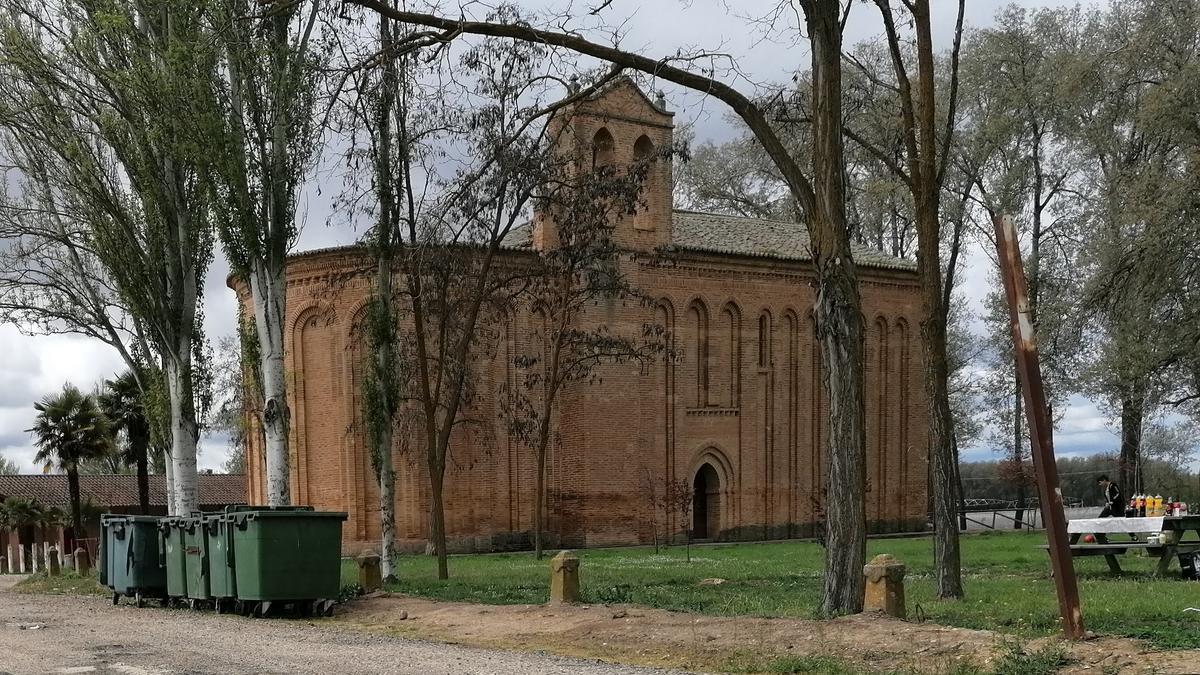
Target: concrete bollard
x,y
369,575
885,586
564,578
22,560
3,565
83,564
53,567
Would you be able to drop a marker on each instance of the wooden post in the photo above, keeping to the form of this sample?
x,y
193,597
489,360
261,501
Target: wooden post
x,y
1041,431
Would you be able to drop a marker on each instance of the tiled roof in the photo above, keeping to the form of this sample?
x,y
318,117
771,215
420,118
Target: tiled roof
x,y
716,233
735,235
118,490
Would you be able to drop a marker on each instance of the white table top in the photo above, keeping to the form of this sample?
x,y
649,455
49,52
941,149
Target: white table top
x,y
1114,525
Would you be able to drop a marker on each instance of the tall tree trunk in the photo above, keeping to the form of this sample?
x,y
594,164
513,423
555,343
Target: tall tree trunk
x,y
437,519
76,506
539,488
839,323
1132,413
383,329
543,441
169,475
183,431
387,507
143,473
385,365
947,563
268,292
944,470
927,175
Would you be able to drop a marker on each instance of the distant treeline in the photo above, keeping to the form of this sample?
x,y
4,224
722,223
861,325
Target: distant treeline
x,y
982,480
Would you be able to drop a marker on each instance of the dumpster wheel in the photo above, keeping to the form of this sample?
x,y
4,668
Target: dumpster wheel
x,y
138,600
116,598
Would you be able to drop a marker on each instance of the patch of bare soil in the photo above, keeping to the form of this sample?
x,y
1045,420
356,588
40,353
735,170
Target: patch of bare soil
x,y
642,636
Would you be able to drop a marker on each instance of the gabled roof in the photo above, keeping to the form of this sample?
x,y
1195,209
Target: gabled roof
x,y
120,490
735,235
625,82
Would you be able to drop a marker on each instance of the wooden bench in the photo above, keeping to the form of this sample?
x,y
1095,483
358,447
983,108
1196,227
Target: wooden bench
x,y
1110,551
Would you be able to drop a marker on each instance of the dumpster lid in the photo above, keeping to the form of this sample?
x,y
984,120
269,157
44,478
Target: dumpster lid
x,y
128,518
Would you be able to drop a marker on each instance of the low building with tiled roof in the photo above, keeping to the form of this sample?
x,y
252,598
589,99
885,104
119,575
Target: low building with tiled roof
x,y
108,493
119,492
734,408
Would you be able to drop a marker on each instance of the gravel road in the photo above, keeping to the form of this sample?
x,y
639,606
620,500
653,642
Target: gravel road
x,y
66,634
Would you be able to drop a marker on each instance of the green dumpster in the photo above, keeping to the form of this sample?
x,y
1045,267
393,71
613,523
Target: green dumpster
x,y
195,550
131,565
222,581
170,533
287,556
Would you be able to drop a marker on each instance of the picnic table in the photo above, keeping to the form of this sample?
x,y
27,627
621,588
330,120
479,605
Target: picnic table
x,y
1174,527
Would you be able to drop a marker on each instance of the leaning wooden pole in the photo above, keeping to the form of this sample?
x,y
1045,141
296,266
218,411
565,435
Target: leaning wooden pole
x,y
1041,433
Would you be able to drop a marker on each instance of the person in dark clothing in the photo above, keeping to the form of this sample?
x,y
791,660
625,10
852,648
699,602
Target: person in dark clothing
x,y
1114,501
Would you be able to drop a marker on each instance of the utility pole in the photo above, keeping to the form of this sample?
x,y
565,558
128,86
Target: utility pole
x,y
1041,432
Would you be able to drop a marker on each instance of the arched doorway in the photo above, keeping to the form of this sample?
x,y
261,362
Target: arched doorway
x,y
706,504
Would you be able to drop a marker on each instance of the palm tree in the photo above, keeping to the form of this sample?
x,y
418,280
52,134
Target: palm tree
x,y
21,513
70,428
49,518
122,405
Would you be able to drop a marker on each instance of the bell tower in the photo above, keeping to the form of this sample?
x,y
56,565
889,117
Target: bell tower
x,y
620,126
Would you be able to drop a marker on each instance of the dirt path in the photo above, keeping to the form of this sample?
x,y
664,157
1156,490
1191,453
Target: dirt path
x,y
72,634
694,642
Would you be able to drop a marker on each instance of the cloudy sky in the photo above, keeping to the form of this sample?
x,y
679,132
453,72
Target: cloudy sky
x,y
36,366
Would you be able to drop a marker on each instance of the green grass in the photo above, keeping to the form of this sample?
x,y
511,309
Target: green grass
x,y
1006,576
68,583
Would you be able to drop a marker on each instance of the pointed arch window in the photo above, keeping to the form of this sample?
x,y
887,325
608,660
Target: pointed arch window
x,y
603,148
643,148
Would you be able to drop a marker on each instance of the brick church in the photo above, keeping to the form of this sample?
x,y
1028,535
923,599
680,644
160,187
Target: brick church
x,y
737,409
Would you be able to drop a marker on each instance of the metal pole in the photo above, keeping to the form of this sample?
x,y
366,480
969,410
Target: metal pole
x,y
1041,432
